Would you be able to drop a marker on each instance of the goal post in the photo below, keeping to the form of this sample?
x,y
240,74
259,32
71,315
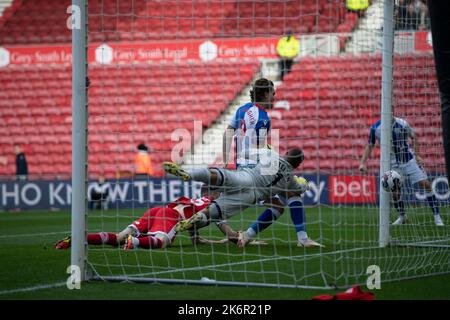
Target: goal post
x,y
79,137
386,115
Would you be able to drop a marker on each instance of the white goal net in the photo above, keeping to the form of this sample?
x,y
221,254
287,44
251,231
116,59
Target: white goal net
x,y
167,77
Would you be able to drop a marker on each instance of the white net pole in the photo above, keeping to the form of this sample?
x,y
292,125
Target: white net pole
x,y
386,116
79,137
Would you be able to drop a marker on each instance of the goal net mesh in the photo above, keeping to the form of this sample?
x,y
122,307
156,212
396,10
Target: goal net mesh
x,y
170,75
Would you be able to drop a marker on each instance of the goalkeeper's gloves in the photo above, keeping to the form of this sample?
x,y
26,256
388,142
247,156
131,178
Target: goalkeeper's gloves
x,y
302,184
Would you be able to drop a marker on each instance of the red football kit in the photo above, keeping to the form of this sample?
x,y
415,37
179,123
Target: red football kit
x,y
163,219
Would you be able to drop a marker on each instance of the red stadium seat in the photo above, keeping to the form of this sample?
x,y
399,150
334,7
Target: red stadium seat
x,y
146,20
115,125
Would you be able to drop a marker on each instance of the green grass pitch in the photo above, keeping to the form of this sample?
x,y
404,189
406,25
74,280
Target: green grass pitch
x,y
29,263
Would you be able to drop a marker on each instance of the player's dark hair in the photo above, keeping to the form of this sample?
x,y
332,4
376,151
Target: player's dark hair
x,y
260,88
295,157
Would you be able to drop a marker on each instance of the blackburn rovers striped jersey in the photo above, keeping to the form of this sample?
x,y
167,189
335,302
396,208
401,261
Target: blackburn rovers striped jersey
x,y
252,125
401,131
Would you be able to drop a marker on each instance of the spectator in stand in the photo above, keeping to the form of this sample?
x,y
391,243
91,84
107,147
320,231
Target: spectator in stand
x,y
287,48
21,163
142,161
99,195
401,15
411,15
419,10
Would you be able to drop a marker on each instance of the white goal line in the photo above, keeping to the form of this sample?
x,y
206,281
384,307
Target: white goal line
x,y
33,234
35,288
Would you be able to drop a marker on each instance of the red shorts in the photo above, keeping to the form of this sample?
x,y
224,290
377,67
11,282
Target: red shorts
x,y
158,219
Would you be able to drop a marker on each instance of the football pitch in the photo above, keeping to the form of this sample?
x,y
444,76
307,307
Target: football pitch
x,y
33,269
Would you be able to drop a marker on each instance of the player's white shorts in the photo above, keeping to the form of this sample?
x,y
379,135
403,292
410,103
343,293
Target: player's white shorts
x,y
410,170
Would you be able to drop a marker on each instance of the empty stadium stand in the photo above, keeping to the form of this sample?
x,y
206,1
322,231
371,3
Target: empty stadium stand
x,y
333,100
44,21
127,105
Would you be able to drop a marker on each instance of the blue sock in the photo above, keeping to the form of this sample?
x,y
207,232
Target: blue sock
x,y
433,203
264,221
297,214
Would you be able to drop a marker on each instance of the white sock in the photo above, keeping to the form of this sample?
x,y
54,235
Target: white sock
x,y
302,235
135,242
250,233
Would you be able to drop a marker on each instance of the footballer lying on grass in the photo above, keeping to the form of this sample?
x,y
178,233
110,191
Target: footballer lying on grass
x,y
156,228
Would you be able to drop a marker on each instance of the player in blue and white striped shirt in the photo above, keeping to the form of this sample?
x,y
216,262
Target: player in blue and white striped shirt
x,y
406,161
251,126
